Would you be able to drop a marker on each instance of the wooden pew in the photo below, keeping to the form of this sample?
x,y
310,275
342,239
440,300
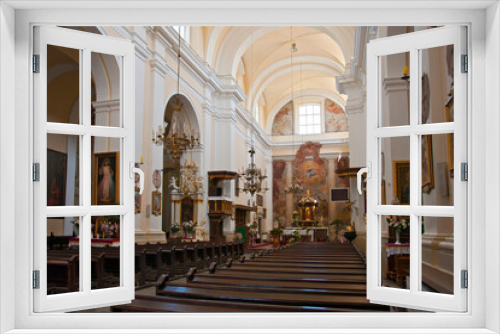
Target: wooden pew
x,y
62,274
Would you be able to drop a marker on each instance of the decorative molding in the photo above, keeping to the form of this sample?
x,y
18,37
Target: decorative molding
x,y
395,84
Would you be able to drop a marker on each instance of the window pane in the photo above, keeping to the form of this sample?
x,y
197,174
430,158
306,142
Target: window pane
x,y
395,252
395,171
63,170
436,84
63,85
63,266
437,183
394,90
106,167
106,89
437,254
106,257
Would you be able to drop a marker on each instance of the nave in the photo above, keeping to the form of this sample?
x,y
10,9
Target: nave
x,y
301,277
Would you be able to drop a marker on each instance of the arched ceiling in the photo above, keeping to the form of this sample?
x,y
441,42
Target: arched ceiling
x,y
259,58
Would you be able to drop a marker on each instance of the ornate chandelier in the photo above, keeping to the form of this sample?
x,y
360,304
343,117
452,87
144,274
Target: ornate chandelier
x,y
176,141
189,183
294,187
253,177
179,137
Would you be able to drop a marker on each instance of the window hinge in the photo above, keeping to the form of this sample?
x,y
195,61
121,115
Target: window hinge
x,y
465,64
464,171
36,172
36,63
465,279
36,279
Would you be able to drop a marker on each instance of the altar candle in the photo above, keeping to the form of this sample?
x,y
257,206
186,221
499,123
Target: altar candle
x,y
405,70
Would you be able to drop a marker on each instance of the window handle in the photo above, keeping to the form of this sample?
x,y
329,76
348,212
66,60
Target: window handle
x,y
368,171
139,171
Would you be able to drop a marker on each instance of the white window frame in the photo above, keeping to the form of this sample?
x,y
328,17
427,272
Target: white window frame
x,y
414,43
86,44
482,316
307,104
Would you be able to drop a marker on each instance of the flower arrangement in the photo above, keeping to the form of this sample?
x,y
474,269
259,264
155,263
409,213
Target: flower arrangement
x,y
238,237
174,228
295,219
398,223
110,229
188,227
295,236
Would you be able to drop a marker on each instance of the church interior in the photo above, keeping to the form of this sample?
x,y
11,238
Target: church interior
x,y
250,140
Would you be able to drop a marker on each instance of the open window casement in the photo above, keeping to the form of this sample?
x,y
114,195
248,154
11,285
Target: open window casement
x,y
83,166
416,128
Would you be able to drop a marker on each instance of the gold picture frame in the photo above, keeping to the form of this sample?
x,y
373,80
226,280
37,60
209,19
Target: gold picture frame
x,y
401,181
427,164
450,117
106,178
156,203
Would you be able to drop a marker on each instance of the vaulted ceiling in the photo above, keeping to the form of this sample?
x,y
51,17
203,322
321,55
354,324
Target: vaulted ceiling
x,y
259,58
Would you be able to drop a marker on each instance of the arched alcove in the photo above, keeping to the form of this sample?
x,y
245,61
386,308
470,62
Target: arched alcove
x,y
171,166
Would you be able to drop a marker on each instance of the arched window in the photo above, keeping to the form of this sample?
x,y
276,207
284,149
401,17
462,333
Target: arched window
x,y
309,118
184,31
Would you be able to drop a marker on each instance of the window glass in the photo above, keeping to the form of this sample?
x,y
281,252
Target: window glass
x,y
309,119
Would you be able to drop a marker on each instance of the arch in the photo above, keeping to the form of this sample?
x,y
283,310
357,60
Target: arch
x,y
283,71
188,111
305,94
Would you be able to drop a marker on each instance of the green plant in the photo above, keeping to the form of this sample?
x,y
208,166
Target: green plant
x,y
309,229
336,222
276,231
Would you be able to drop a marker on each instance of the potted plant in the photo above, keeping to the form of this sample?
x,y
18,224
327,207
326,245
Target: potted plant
x,y
295,236
238,237
174,229
337,223
276,233
188,227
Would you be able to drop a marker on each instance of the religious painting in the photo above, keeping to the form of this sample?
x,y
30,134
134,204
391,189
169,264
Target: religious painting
x,y
450,117
56,178
156,203
335,117
401,177
106,178
311,173
137,199
187,209
279,184
282,124
427,164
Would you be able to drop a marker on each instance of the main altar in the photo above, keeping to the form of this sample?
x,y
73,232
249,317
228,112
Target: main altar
x,y
306,208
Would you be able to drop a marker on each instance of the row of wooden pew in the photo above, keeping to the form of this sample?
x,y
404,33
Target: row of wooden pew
x,y
304,277
151,261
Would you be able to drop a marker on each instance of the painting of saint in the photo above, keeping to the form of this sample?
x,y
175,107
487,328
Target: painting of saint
x,y
282,124
56,178
105,175
335,118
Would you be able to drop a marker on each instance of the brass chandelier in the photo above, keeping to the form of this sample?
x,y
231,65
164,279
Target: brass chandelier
x,y
294,187
179,137
253,177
